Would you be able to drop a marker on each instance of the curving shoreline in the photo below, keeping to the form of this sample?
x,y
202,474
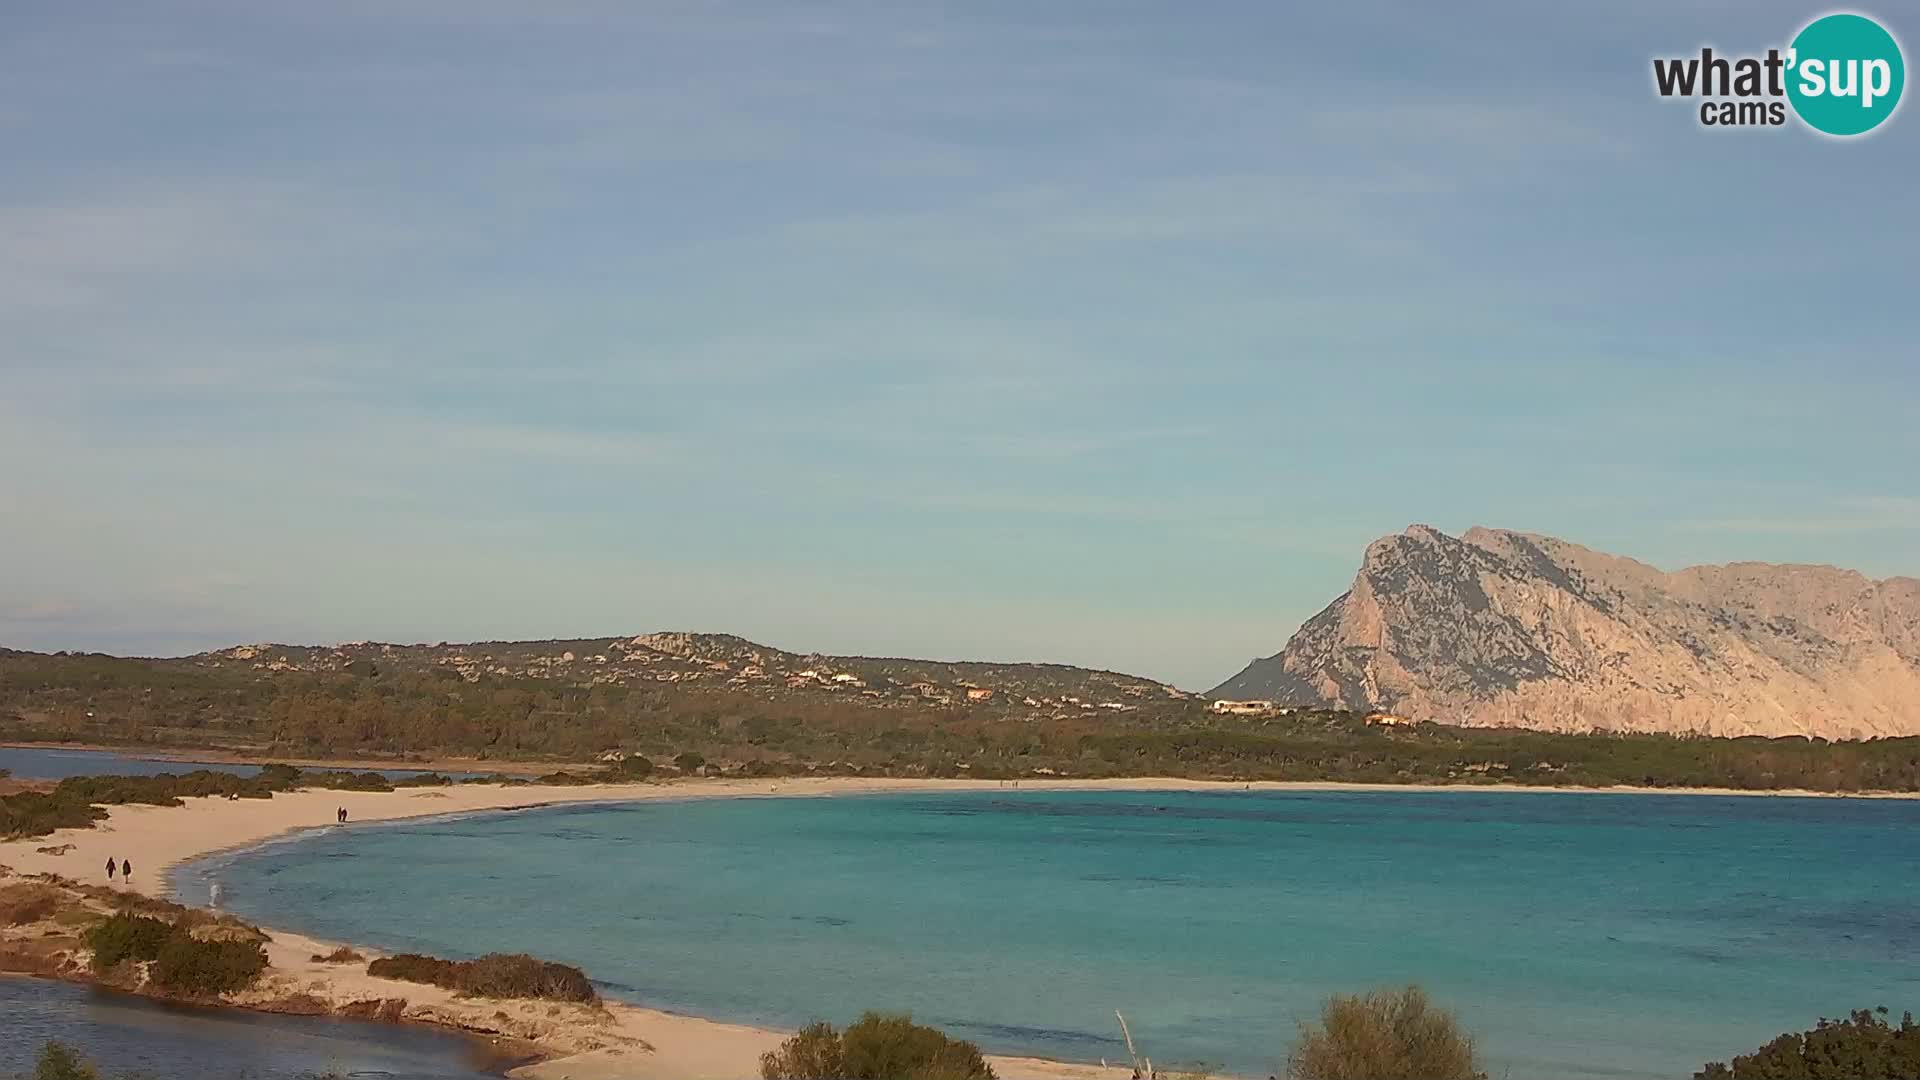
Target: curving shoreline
x,y
621,1040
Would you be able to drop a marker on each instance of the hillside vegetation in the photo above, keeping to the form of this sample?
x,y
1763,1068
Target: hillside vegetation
x,y
501,702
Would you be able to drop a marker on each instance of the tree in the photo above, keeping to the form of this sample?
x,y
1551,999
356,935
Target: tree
x,y
1862,1047
1384,1035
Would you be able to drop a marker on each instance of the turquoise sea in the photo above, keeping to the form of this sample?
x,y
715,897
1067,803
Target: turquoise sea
x,y
1581,935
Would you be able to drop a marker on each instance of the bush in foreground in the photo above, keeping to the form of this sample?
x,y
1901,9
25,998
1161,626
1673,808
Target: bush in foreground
x,y
126,936
189,966
58,1061
1384,1035
182,963
496,975
878,1046
1862,1047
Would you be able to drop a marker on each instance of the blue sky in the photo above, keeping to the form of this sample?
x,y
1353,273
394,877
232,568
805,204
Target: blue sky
x,y
1106,333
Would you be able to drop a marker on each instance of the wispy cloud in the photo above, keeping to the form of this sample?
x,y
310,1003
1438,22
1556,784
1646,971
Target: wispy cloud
x,y
1860,514
123,250
891,327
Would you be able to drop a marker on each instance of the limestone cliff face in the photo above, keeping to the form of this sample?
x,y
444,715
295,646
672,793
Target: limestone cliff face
x,y
1498,628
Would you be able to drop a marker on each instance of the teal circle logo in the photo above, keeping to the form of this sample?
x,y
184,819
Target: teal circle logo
x,y
1845,74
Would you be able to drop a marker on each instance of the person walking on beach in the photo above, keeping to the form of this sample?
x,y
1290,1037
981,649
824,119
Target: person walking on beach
x,y
126,870
109,870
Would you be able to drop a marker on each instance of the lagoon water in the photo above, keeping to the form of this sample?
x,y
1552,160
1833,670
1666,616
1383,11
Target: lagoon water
x,y
1581,935
128,1036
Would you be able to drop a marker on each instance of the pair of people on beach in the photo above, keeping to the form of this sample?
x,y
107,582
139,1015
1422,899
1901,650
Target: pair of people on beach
x,y
125,868
340,815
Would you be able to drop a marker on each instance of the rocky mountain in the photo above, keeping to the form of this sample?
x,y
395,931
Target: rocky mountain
x,y
1505,629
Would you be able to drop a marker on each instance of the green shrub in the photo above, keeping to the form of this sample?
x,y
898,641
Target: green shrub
x,y
58,1061
78,802
1384,1035
126,936
341,780
633,767
190,966
496,975
413,967
881,1047
37,813
426,779
812,1053
517,975
878,1046
181,962
1862,1047
690,761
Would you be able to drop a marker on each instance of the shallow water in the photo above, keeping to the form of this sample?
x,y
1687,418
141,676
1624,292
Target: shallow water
x,y
48,763
1581,935
124,1034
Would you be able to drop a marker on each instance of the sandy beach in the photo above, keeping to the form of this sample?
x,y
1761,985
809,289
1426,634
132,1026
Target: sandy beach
x,y
158,837
620,1041
623,1040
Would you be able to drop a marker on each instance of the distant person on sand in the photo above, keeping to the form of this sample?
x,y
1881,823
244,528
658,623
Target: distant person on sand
x,y
126,870
109,868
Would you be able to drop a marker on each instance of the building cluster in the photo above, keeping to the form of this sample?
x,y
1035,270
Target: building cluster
x,y
1225,707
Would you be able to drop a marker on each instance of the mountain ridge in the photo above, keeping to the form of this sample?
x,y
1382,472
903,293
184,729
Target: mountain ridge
x,y
1502,628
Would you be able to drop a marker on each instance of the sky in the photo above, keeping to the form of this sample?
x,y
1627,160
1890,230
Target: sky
x,y
1104,333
